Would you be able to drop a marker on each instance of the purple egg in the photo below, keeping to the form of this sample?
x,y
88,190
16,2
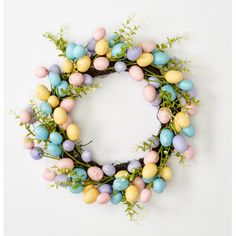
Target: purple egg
x,y
134,165
179,143
91,45
36,153
154,142
68,145
109,170
86,156
105,188
61,180
88,79
153,82
192,93
55,68
157,101
134,53
120,66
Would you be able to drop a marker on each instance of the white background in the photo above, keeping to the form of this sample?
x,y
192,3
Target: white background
x,y
197,200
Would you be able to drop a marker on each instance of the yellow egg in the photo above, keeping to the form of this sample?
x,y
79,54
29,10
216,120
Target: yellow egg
x,y
173,76
73,132
132,194
108,54
166,173
86,188
91,195
42,92
59,116
149,170
67,66
83,64
101,47
176,126
53,101
122,174
145,59
182,119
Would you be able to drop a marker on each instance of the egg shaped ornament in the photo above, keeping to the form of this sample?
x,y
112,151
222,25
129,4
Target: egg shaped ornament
x,y
101,47
41,133
78,51
76,189
103,198
145,195
99,33
151,157
166,173
42,92
169,90
189,153
67,104
53,101
59,116
45,108
73,132
139,183
76,79
164,115
36,153
149,93
186,85
160,58
134,53
182,119
159,185
91,195
49,175
109,169
83,64
112,40
148,46
54,150
189,131
67,66
116,198
191,109
173,76
149,170
145,59
69,50
132,194
41,72
118,50
55,138
166,137
55,68
62,88
179,143
25,116
120,184
95,173
54,79
65,163
101,63
136,73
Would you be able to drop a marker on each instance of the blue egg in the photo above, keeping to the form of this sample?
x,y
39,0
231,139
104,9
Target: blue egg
x,y
55,138
79,174
160,58
78,51
155,50
54,150
116,198
54,78
189,131
120,184
118,49
113,40
169,89
77,189
186,85
45,108
62,86
69,50
166,137
159,185
148,181
41,132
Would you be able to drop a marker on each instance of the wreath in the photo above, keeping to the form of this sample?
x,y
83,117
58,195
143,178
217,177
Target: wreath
x,y
51,132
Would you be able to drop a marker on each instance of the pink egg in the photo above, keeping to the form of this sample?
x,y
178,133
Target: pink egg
x,y
189,152
65,163
149,93
151,157
49,175
76,79
148,46
25,116
41,72
136,73
99,33
138,182
191,109
103,198
101,63
145,195
164,115
67,123
95,173
28,143
68,104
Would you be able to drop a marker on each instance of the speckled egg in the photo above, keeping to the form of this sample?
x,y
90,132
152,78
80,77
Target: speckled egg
x,y
148,46
49,175
176,126
54,150
149,93
132,194
101,47
87,187
88,79
113,40
182,119
117,50
55,138
166,173
78,51
95,173
191,109
136,73
28,143
145,195
166,137
154,82
82,175
36,153
73,132
164,115
186,85
160,58
103,198
99,33
151,157
154,141
189,131
120,66
149,170
67,66
109,169
145,59
189,153
120,184
90,196
61,180
55,68
169,90
62,87
179,143
68,145
69,50
173,76
41,72
54,79
86,155
134,165
116,198
41,133
76,79
105,188
134,53
59,116
91,45
42,92
159,185
67,104
101,63
65,163
122,174
83,64
25,116
75,189
45,108
138,182
53,101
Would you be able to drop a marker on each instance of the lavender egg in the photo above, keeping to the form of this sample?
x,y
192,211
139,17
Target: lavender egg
x,y
88,79
68,145
179,143
134,53
36,153
134,165
61,180
154,82
105,188
91,45
154,142
55,68
157,101
120,66
109,170
86,156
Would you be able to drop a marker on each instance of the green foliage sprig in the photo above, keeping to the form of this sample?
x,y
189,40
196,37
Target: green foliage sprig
x,y
170,42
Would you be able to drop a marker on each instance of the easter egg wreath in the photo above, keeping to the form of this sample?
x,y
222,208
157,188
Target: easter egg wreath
x,y
51,132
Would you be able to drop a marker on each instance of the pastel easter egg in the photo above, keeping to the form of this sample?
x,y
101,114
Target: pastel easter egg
x,y
83,64
166,137
101,63
145,59
108,54
78,51
76,79
189,131
95,173
173,76
138,182
120,66
120,184
154,142
134,53
134,165
59,116
148,181
169,90
53,101
45,108
91,45
69,50
65,163
154,82
87,187
157,101
132,194
49,175
73,132
54,79
145,195
99,33
67,104
67,122
41,72
176,126
113,40
76,189
105,188
81,174
41,133
61,180
122,174
149,170
62,87
136,73
25,116
101,47
191,109
117,50
103,198
36,153
55,138
67,66
88,79
164,115
160,58
55,68
189,153
179,143
159,185
148,46
42,92
166,173
182,119
149,93
116,198
109,169
186,85
91,195
54,150
86,156
68,145
28,143
151,157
